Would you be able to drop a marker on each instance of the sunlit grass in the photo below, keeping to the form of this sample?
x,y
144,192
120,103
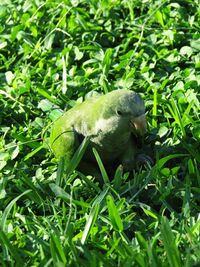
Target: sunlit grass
x,y
52,54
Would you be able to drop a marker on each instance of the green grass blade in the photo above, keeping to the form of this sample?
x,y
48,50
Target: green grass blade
x,y
161,162
60,171
101,166
101,196
8,209
90,222
155,107
170,245
5,242
32,153
57,249
117,181
114,216
77,156
192,150
88,182
60,193
107,60
173,108
45,94
93,214
141,240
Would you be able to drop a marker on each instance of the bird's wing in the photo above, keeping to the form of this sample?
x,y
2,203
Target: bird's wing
x,y
64,140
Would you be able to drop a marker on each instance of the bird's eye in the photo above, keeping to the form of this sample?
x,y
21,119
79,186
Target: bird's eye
x,y
119,112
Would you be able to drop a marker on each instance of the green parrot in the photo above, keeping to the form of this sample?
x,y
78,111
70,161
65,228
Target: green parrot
x,y
111,121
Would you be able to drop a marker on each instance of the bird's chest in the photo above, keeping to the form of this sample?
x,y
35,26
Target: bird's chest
x,y
111,146
108,136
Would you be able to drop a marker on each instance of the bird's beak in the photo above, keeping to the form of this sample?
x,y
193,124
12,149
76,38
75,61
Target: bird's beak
x,y
139,125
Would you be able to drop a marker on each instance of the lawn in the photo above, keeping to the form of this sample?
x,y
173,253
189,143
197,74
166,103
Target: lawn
x,y
52,54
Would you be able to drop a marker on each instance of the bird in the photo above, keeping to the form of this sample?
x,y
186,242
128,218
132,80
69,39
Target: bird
x,y
112,122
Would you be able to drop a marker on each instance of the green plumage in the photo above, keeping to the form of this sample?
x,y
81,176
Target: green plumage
x,y
111,122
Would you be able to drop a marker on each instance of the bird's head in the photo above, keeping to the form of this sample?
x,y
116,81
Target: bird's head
x,y
129,109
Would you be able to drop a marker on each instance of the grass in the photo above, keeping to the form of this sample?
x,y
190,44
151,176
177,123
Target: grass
x,y
52,53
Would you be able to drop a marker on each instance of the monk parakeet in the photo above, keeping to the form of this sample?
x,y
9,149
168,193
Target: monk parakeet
x,y
111,121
